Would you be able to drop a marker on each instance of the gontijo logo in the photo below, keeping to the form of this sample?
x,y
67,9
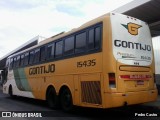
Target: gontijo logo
x,y
132,28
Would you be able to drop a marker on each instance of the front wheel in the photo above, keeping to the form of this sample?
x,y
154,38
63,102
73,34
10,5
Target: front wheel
x,y
66,100
11,92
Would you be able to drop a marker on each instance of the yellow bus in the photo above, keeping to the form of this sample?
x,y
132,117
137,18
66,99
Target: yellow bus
x,y
107,62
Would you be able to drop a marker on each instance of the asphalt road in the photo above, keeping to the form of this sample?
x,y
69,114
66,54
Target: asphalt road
x,y
24,106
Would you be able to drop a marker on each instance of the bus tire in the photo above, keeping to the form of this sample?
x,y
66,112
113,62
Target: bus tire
x,y
66,100
52,98
10,91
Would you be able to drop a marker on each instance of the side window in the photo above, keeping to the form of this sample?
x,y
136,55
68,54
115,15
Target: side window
x,y
42,53
59,49
91,39
50,51
94,38
18,61
80,42
26,58
11,64
69,46
36,55
15,62
22,60
97,37
7,63
31,57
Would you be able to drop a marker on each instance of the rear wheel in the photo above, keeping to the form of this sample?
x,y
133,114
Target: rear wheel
x,y
66,100
52,98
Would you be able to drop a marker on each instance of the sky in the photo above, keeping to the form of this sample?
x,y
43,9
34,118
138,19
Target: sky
x,y
22,20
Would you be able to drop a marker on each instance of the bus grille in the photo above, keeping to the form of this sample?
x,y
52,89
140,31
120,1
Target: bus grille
x,y
91,92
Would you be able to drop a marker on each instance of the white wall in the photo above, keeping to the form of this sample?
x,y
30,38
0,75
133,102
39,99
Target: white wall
x,y
156,47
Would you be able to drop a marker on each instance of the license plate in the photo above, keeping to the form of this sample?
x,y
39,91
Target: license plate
x,y
140,82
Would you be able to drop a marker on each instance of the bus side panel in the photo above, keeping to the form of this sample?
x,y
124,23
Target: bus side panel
x,y
76,91
19,83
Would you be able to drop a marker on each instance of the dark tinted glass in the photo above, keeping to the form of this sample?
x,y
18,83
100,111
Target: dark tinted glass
x,y
31,57
97,37
36,55
59,49
91,39
80,42
15,62
11,64
22,60
18,61
26,58
42,53
50,51
69,46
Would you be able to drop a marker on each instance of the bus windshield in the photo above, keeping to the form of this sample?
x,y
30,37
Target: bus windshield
x,y
131,40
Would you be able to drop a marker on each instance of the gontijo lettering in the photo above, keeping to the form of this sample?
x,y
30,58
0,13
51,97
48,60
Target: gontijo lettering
x,y
42,69
132,45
